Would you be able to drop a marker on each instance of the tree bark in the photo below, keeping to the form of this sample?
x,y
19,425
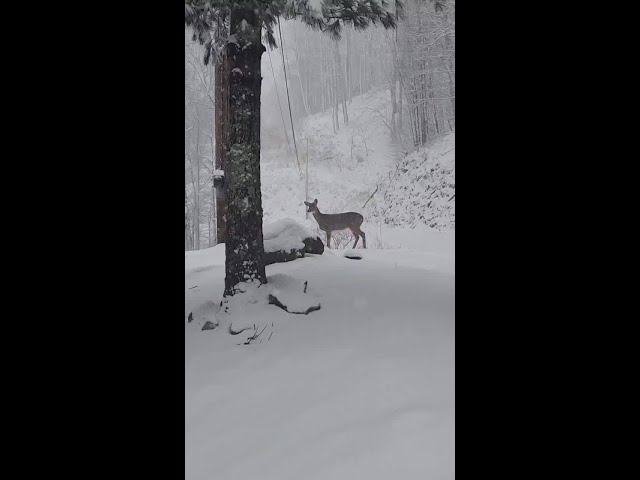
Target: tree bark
x,y
221,135
244,246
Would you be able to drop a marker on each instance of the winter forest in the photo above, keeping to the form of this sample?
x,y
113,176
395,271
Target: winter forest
x,y
319,239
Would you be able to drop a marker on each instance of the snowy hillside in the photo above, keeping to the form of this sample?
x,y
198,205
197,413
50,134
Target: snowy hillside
x,y
362,388
346,167
337,180
420,190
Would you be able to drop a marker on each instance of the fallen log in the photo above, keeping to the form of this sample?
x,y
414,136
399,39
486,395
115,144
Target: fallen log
x,y
311,245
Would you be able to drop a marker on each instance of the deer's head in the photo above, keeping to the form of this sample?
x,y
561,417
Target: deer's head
x,y
312,207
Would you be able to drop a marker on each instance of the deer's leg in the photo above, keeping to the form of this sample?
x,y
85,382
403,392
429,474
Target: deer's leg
x,y
328,232
356,231
355,234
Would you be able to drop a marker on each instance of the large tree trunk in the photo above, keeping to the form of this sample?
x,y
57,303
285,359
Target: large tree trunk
x,y
244,246
221,135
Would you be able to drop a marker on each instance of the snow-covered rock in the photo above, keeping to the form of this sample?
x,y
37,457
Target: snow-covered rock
x,y
284,235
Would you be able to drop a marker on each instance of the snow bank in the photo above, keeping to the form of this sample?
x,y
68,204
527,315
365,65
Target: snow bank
x,y
286,234
295,299
205,259
203,314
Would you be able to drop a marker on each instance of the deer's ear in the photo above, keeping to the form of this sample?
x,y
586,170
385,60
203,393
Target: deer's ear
x,y
315,201
306,203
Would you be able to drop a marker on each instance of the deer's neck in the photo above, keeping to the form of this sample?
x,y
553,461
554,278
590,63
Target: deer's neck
x,y
319,216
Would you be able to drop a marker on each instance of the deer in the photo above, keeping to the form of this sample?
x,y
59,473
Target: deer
x,y
330,222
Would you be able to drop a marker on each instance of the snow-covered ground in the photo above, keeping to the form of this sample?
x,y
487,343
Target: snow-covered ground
x,y
364,387
361,389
